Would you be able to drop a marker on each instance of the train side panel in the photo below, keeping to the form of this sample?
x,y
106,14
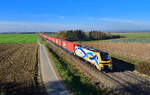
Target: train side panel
x,y
49,38
70,46
88,55
54,40
60,42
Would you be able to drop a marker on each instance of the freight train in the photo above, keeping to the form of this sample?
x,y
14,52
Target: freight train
x,y
100,59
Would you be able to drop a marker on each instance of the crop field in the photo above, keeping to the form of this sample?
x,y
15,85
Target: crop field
x,y
129,37
135,35
19,66
19,70
18,38
52,35
135,53
136,50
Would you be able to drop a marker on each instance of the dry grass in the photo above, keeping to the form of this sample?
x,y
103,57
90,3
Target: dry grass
x,y
129,52
135,50
143,67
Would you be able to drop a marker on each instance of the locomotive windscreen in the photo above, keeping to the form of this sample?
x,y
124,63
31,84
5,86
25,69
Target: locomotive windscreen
x,y
104,56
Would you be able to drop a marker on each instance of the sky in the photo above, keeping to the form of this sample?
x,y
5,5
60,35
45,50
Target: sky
x,y
55,15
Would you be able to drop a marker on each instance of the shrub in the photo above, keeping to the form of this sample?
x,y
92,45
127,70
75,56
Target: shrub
x,y
72,35
79,35
143,67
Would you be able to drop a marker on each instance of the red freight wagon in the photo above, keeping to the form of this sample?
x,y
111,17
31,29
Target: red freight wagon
x,y
62,43
54,40
44,36
65,44
49,38
41,34
59,42
69,45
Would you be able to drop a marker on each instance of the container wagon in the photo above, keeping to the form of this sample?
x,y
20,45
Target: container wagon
x,y
100,59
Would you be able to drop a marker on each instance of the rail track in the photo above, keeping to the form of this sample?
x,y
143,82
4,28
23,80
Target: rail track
x,y
116,82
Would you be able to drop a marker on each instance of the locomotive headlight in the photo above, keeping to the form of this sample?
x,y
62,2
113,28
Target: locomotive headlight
x,y
109,57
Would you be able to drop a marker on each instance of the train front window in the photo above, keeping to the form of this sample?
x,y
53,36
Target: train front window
x,y
104,56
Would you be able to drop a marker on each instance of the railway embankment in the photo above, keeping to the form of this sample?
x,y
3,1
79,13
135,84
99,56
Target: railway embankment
x,y
117,82
71,77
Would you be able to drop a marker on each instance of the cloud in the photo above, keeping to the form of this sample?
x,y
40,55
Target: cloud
x,y
103,24
61,17
117,20
47,15
8,26
124,21
52,16
125,24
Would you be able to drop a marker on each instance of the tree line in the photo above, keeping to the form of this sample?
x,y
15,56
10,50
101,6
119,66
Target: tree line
x,y
79,35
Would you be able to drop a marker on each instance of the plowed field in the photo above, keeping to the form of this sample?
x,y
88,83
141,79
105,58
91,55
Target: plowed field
x,y
135,50
19,70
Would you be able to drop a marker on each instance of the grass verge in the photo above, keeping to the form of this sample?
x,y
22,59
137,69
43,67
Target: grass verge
x,y
2,91
140,66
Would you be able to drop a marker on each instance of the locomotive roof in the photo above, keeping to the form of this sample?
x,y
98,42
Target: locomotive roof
x,y
91,49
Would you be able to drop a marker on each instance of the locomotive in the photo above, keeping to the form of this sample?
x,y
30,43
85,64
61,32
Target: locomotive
x,y
98,58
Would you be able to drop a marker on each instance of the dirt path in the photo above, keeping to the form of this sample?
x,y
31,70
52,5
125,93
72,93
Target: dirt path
x,y
120,82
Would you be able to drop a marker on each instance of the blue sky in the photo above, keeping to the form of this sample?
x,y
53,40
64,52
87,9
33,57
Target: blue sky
x,y
54,15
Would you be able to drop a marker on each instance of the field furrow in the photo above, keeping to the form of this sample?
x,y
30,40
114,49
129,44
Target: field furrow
x,y
134,50
18,66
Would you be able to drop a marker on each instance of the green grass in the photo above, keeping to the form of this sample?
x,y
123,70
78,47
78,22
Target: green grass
x,y
18,38
129,37
135,35
41,41
52,35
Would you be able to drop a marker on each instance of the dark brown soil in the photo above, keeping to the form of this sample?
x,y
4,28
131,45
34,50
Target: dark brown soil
x,y
19,70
